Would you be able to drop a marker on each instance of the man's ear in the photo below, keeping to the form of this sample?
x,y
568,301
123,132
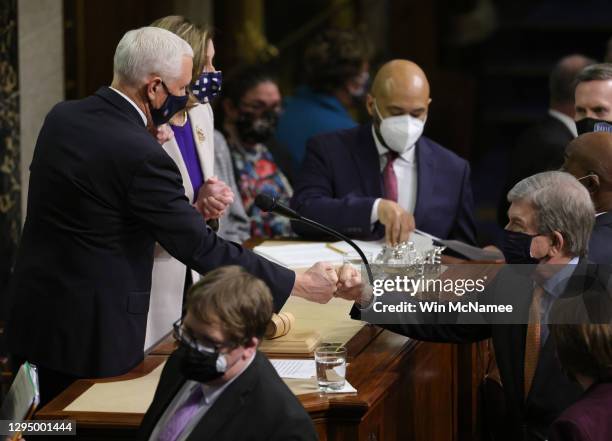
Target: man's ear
x,y
557,244
592,183
152,87
250,347
370,105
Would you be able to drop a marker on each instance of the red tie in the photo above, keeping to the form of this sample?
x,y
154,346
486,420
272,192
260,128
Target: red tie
x,y
389,177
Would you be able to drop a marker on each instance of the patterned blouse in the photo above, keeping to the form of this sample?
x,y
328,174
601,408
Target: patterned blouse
x,y
257,172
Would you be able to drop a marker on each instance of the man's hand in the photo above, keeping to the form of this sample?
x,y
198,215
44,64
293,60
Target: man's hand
x,y
397,221
317,284
213,198
494,249
350,285
162,133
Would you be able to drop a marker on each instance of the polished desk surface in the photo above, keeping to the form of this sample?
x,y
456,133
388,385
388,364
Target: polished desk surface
x,y
365,359
379,362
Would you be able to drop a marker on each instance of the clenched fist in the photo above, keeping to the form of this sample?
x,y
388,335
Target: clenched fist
x,y
318,284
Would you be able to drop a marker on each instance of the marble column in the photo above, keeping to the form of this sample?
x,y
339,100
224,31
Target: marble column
x,y
41,57
10,202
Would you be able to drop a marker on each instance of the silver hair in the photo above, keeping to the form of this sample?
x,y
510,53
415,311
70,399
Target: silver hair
x,y
149,51
561,204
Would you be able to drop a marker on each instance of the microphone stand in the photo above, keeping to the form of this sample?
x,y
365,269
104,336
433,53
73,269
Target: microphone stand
x,y
341,237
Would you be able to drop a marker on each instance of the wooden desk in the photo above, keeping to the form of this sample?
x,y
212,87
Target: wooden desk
x,y
407,390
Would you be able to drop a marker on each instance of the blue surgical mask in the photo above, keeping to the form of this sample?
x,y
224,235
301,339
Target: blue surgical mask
x,y
207,86
169,108
516,247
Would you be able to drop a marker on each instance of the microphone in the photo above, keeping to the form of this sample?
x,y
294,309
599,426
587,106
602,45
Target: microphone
x,y
271,204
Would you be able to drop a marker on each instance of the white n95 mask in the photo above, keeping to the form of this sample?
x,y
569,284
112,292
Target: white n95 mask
x,y
401,132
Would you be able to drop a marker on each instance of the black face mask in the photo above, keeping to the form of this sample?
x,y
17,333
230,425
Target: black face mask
x,y
201,366
169,108
516,247
588,125
253,129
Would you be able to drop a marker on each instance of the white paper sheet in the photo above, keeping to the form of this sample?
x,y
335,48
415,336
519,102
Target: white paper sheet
x,y
300,255
287,368
347,389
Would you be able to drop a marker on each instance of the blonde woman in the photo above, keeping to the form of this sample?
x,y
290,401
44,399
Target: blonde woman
x,y
190,144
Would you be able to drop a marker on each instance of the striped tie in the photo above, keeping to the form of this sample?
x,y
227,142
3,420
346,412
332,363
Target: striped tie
x,y
533,340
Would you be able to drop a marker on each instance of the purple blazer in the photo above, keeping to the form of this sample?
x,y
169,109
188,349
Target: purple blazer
x,y
589,419
340,179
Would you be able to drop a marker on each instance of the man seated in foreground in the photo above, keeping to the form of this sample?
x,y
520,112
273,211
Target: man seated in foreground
x,y
216,385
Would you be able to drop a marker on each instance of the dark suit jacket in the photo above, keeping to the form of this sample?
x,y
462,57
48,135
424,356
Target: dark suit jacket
x,y
102,192
340,179
590,419
600,244
258,405
551,391
540,148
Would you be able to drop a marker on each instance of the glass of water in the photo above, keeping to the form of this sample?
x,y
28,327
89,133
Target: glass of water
x,y
330,359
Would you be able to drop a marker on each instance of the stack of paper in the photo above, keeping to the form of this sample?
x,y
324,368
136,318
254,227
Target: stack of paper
x,y
289,368
305,371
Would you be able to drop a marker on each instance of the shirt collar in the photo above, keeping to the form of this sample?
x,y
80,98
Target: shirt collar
x,y
129,100
407,156
556,285
566,120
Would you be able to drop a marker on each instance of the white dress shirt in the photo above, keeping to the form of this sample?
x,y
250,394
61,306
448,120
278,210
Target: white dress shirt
x,y
211,394
129,100
405,168
566,120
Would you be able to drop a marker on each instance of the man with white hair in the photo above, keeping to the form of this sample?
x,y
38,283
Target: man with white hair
x,y
102,192
551,218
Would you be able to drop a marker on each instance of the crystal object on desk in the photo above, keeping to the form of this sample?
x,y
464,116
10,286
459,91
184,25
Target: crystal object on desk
x,y
405,259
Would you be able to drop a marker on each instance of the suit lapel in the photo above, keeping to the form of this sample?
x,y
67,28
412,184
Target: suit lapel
x,y
365,155
425,174
162,401
171,147
203,137
229,404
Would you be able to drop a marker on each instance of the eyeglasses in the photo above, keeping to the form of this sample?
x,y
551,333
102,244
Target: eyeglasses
x,y
201,344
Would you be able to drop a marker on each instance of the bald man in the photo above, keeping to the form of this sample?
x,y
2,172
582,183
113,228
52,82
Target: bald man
x,y
383,178
589,159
